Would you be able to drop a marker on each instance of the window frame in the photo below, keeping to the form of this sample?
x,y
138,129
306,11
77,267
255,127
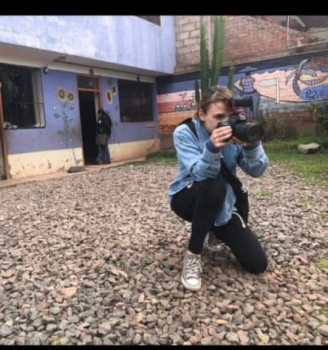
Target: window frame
x,y
38,98
138,90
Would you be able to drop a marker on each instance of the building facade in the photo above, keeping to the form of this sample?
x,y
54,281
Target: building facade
x,y
282,68
57,71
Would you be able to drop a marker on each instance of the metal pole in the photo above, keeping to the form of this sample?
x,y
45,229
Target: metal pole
x,y
277,90
287,32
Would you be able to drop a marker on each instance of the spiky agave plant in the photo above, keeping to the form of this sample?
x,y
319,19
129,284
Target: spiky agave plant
x,y
204,60
218,45
217,58
204,67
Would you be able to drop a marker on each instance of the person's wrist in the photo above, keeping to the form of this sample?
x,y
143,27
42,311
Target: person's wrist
x,y
211,147
252,145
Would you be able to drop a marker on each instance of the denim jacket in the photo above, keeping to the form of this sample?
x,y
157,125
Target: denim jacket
x,y
199,159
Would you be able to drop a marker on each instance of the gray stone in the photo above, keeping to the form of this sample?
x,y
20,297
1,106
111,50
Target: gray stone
x,y
151,318
86,339
187,320
177,340
232,337
105,328
243,337
248,309
137,339
20,340
294,251
51,327
323,329
55,310
5,330
308,148
281,237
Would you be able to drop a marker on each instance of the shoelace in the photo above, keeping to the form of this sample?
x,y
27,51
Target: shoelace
x,y
193,267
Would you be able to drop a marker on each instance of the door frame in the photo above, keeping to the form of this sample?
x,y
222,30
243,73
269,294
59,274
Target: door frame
x,y
3,142
95,91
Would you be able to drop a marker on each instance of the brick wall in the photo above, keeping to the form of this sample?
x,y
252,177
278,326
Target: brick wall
x,y
247,39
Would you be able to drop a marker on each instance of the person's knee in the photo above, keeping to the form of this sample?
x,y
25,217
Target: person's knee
x,y
213,189
258,264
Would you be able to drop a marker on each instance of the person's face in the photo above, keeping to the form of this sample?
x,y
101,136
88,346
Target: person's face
x,y
217,112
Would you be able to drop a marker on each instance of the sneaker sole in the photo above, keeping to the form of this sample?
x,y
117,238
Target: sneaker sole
x,y
189,287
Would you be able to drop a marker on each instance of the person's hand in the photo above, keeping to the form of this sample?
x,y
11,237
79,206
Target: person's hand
x,y
220,135
243,143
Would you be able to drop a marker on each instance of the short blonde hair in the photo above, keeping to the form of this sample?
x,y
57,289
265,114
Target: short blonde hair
x,y
214,94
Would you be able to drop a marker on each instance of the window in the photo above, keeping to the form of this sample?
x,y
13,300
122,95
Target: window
x,y
21,97
153,19
85,82
135,101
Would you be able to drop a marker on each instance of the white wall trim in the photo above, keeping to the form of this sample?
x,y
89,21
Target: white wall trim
x,y
20,61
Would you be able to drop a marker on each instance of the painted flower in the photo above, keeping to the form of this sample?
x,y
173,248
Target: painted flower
x,y
61,94
109,96
70,96
114,90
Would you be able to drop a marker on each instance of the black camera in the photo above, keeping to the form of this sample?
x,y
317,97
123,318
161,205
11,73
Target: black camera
x,y
243,130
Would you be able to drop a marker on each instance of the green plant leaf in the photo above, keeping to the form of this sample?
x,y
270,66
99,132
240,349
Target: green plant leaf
x,y
218,46
197,95
204,64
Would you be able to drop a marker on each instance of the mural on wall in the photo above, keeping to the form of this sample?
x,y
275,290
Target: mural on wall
x,y
186,104
283,87
66,99
175,107
305,82
318,92
248,90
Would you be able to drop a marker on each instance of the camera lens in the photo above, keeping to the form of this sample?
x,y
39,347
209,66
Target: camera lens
x,y
254,132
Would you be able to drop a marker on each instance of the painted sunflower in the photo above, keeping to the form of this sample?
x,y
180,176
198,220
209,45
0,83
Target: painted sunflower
x,y
114,90
70,96
109,96
61,94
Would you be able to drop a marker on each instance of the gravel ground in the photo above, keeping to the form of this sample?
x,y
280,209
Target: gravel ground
x,y
96,259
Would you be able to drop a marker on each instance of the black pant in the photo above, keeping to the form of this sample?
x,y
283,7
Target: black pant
x,y
199,205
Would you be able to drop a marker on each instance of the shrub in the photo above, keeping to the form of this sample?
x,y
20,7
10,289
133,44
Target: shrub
x,y
319,111
277,125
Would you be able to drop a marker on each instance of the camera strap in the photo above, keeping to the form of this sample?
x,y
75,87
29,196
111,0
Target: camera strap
x,y
233,180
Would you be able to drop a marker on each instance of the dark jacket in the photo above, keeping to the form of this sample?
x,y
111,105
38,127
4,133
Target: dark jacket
x,y
104,124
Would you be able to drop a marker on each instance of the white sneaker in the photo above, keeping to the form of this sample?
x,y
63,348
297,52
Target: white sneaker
x,y
212,243
192,268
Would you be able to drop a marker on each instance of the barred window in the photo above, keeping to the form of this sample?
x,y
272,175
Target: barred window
x,y
135,101
21,97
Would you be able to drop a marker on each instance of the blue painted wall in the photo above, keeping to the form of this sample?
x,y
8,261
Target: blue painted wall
x,y
48,138
127,132
51,136
125,40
